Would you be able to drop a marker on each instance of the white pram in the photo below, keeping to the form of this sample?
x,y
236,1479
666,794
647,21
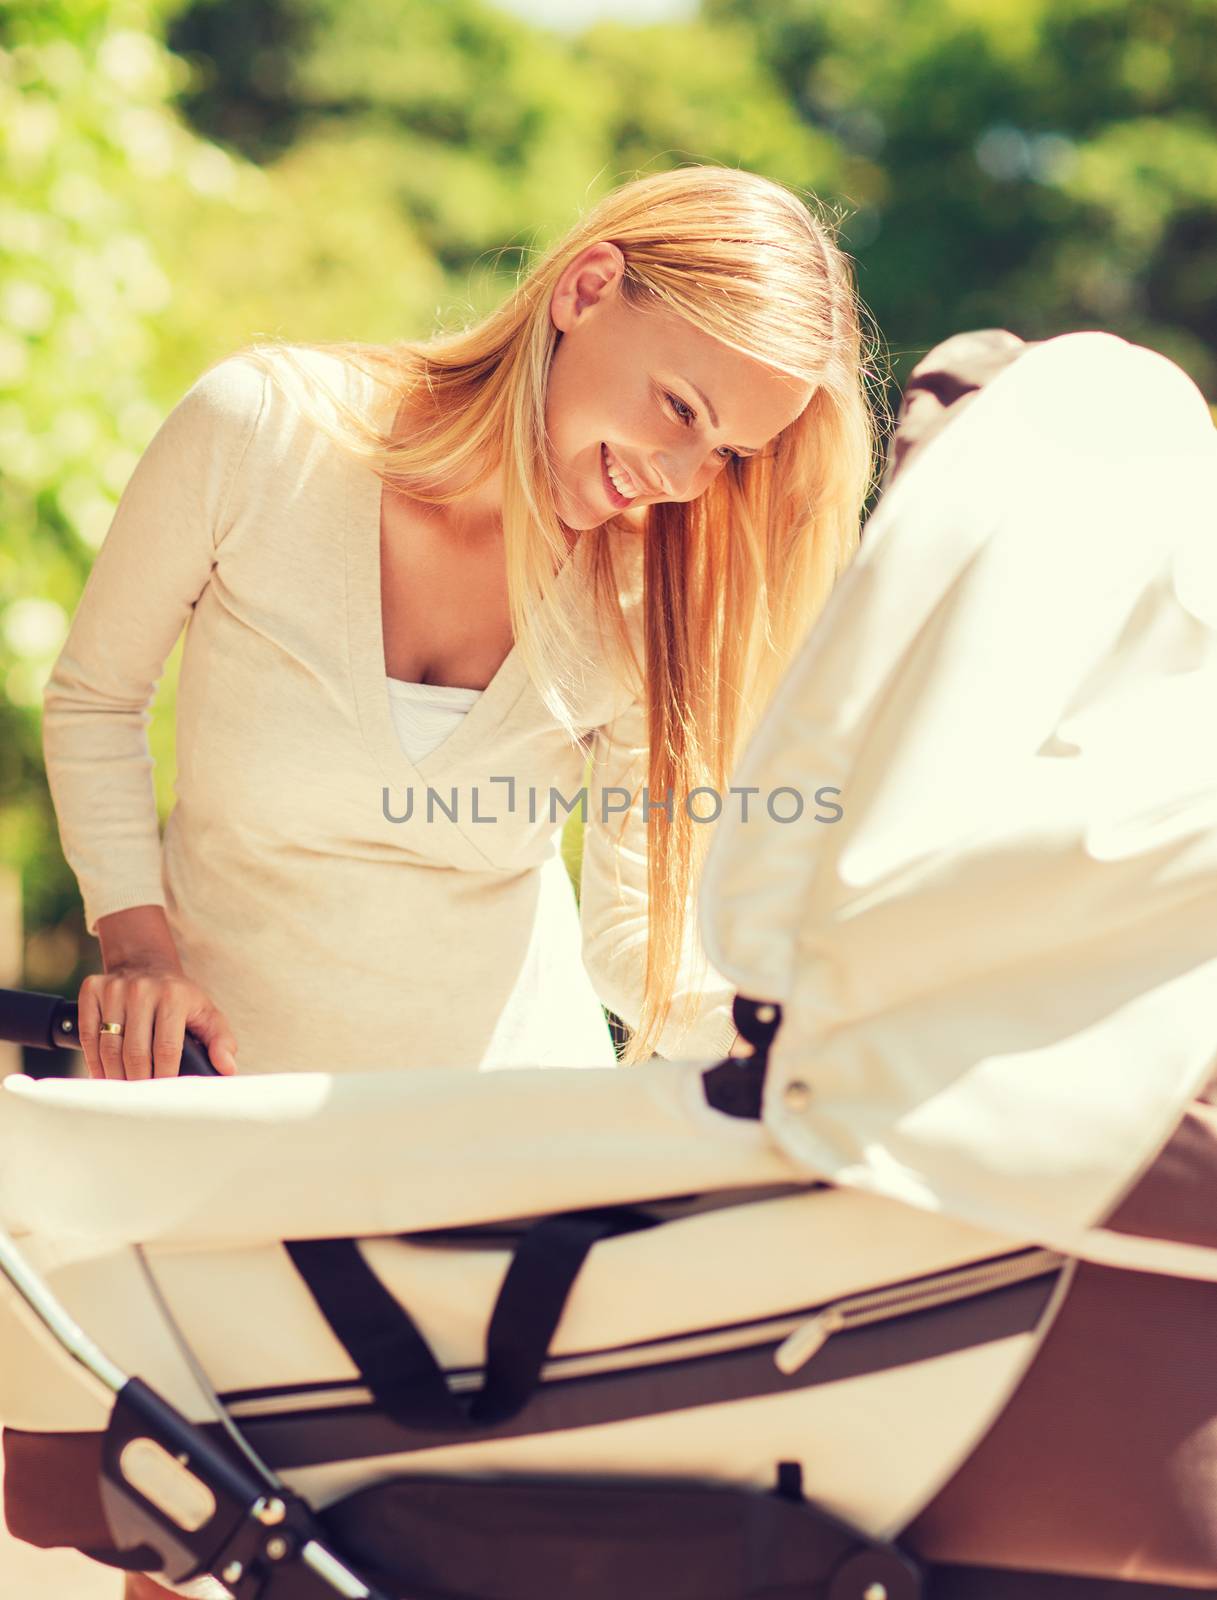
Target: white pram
x,y
709,1331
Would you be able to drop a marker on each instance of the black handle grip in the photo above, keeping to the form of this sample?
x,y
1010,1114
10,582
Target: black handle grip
x,y
49,1022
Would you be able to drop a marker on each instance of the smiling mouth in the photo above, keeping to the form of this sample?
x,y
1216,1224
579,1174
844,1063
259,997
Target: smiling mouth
x,y
614,494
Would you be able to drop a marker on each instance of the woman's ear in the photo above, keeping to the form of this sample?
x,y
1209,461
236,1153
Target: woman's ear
x,y
589,279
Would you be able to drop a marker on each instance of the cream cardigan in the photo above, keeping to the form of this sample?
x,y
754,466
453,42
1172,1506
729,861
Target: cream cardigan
x,y
347,908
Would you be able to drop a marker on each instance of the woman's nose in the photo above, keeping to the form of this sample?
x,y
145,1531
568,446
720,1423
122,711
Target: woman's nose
x,y
683,473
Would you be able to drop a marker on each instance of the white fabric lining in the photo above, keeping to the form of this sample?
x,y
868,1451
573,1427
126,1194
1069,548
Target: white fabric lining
x,y
424,714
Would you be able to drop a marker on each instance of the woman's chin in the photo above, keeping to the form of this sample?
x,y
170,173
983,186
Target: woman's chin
x,y
577,516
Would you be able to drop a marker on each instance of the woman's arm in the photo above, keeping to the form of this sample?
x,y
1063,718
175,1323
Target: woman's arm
x,y
613,902
152,566
137,938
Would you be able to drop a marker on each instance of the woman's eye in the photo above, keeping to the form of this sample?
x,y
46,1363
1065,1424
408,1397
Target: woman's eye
x,y
687,415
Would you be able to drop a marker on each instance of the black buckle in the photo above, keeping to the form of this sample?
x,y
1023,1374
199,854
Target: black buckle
x,y
736,1085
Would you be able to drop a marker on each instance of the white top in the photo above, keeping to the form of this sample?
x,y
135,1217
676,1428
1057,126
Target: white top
x,y
350,902
424,714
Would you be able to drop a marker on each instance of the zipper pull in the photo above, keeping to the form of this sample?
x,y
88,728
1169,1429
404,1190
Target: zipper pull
x,y
797,1349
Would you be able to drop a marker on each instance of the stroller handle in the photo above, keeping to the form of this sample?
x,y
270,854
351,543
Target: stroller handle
x,y
49,1022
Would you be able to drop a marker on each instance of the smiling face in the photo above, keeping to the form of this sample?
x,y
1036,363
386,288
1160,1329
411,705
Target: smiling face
x,y
647,398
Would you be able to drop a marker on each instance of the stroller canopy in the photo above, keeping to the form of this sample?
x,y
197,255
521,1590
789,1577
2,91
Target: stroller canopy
x,y
998,968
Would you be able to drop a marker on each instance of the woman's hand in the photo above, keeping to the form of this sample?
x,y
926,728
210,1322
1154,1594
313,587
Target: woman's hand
x,y
155,1002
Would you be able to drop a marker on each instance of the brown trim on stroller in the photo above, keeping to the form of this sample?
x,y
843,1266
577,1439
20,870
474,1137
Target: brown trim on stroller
x,y
1000,1583
52,1492
1104,1464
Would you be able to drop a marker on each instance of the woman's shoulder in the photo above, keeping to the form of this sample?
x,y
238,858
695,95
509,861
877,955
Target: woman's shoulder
x,y
232,389
283,383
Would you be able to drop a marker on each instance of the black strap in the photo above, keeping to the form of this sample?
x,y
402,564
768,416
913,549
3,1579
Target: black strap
x,y
395,1360
534,1293
392,1357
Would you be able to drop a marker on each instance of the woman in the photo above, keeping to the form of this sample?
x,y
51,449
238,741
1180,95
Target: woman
x,y
658,446
424,582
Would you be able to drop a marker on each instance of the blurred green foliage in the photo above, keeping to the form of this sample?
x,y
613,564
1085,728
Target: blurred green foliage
x,y
1040,165
178,177
87,128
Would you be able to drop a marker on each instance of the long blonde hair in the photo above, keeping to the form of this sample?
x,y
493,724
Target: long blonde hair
x,y
731,581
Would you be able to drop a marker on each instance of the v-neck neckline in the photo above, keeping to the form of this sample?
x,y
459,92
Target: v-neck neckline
x,y
365,628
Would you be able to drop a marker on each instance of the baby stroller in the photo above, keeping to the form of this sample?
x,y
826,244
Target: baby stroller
x,y
916,1299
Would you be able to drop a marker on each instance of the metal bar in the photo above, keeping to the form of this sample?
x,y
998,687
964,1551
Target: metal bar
x,y
50,1313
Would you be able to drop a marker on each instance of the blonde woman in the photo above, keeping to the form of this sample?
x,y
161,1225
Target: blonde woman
x,y
424,583
428,586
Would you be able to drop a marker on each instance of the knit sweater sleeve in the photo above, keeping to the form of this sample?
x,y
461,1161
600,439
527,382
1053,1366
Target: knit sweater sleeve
x,y
614,901
153,564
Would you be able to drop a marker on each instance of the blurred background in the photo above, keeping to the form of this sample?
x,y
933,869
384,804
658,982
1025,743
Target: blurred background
x,y
179,177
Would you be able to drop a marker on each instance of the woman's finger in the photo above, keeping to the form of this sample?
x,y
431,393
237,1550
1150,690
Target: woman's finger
x,y
88,1017
222,1048
141,1001
113,1009
168,1037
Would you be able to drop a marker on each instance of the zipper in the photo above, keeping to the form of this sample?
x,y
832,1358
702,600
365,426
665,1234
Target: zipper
x,y
795,1329
875,1305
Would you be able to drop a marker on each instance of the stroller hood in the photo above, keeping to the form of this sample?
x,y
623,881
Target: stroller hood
x,y
998,967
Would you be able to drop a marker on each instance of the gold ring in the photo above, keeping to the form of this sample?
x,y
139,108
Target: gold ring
x,y
111,1027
